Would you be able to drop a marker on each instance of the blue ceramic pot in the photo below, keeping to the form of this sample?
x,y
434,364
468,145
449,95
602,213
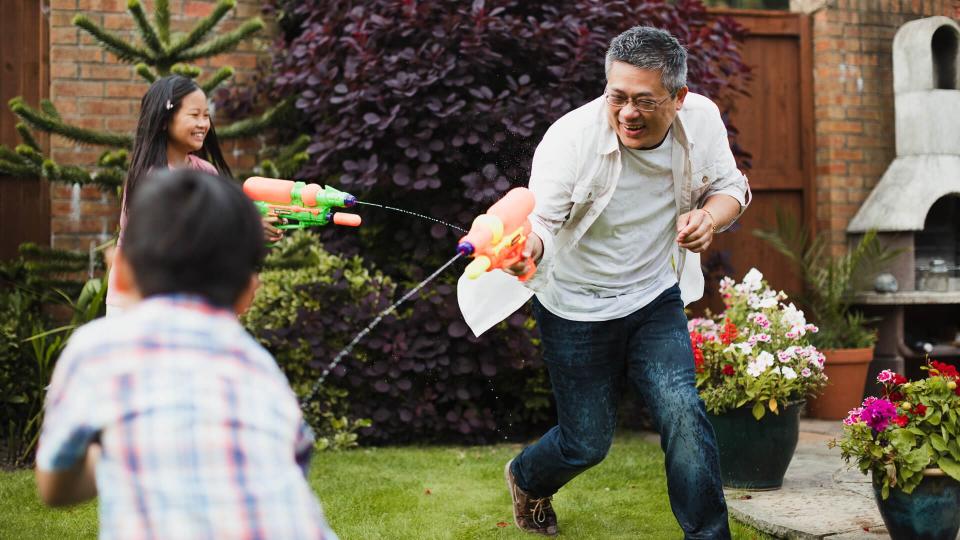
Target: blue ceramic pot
x,y
931,512
755,454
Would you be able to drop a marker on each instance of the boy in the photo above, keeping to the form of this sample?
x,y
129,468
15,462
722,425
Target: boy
x,y
172,413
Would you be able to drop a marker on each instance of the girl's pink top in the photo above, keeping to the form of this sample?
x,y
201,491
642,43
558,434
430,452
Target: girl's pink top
x,y
118,299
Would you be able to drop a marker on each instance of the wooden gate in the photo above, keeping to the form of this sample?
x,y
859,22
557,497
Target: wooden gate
x,y
776,127
24,71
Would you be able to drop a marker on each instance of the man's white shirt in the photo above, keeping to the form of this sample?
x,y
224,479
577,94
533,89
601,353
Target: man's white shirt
x,y
577,169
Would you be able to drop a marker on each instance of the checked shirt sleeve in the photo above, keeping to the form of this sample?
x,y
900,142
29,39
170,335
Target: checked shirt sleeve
x,y
68,427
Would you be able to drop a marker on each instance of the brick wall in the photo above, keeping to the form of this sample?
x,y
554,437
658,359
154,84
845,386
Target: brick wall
x,y
853,98
92,89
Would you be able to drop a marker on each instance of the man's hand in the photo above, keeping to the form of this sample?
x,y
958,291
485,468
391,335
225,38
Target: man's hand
x,y
695,230
532,250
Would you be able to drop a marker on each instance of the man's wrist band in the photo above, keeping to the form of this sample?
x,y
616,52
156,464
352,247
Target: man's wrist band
x,y
712,219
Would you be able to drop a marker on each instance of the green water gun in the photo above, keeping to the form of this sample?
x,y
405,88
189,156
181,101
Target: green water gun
x,y
298,204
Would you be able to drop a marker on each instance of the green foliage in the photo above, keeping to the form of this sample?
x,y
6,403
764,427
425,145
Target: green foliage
x,y
299,261
921,431
831,281
29,349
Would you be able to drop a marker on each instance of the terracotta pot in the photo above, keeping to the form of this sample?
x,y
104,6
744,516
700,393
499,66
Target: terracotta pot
x,y
846,370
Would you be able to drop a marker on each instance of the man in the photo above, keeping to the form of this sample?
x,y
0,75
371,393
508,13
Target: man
x,y
630,188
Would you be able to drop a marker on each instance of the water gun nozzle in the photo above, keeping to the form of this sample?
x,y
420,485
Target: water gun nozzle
x,y
465,248
349,200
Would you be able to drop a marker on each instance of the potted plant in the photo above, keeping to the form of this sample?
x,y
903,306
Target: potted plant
x,y
907,439
830,282
754,367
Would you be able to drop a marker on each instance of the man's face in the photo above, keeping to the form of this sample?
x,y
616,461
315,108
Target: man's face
x,y
638,129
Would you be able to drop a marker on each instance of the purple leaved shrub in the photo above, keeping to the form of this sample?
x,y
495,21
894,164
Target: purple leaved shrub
x,y
436,107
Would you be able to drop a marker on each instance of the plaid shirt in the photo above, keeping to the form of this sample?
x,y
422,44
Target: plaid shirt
x,y
201,434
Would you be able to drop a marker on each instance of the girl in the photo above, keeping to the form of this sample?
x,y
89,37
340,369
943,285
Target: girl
x,y
174,130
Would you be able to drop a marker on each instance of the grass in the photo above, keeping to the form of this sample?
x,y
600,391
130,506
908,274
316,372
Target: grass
x,y
428,493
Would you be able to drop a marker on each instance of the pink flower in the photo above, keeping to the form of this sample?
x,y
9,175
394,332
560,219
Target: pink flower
x,y
806,372
885,376
878,414
853,416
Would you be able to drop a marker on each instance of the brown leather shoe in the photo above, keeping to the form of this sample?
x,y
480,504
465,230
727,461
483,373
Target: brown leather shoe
x,y
531,514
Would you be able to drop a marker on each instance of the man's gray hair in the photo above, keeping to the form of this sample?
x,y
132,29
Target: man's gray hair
x,y
650,48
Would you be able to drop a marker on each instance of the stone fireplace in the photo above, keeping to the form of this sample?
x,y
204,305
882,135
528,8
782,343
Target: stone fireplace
x,y
916,204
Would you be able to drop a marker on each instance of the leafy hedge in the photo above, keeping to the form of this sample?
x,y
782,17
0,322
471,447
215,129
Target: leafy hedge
x,y
416,377
436,107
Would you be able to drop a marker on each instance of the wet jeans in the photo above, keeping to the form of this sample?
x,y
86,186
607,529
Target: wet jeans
x,y
589,363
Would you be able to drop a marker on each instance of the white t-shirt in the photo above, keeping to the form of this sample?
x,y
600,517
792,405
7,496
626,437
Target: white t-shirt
x,y
622,263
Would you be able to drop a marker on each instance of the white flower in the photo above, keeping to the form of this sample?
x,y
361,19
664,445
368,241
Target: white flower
x,y
766,358
806,372
753,279
788,372
754,369
747,348
793,317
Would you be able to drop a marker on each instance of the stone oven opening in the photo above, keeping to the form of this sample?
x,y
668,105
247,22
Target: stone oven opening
x,y
944,49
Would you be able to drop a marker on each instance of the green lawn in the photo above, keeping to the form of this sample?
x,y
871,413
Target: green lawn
x,y
427,493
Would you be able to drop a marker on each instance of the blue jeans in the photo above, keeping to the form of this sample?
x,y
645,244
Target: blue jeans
x,y
589,363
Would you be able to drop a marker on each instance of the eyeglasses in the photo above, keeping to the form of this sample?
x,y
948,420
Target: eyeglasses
x,y
642,105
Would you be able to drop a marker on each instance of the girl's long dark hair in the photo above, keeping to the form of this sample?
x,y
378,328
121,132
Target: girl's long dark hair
x,y
150,145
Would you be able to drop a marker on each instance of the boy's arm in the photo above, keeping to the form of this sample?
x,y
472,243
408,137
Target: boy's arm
x,y
69,447
70,486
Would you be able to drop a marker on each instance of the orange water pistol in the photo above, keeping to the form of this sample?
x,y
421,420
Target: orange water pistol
x,y
496,239
299,204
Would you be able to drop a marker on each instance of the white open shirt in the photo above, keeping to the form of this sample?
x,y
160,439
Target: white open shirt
x,y
574,174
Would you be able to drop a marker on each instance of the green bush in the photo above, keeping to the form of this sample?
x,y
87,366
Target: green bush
x,y
30,343
300,262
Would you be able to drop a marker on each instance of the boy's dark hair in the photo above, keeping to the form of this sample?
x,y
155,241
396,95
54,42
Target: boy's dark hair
x,y
191,232
157,109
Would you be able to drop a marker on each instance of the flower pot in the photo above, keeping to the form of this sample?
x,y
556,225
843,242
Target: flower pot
x,y
931,512
846,370
755,454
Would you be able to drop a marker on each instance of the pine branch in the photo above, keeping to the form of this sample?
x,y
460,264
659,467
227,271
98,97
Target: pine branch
x,y
252,126
44,122
268,169
221,75
123,50
27,137
186,70
161,17
114,158
30,153
146,30
17,170
223,43
202,28
143,70
10,155
108,178
69,174
48,109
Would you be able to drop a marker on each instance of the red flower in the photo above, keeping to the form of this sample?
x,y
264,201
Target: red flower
x,y
730,333
698,359
899,379
895,396
940,368
901,420
920,409
728,370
